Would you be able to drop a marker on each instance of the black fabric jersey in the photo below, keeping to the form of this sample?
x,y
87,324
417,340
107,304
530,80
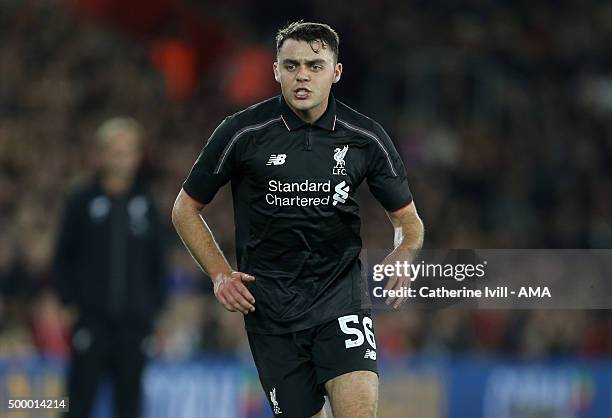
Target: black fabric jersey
x,y
297,225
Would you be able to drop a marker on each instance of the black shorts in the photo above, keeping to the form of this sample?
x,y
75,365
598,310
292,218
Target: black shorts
x,y
294,367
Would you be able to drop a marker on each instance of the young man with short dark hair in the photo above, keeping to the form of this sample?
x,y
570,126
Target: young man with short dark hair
x,y
295,161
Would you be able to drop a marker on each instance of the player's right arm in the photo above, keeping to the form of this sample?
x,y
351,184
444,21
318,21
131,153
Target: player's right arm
x,y
211,171
199,240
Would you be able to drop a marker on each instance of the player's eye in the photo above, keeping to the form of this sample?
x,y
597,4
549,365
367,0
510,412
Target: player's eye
x,y
317,67
290,67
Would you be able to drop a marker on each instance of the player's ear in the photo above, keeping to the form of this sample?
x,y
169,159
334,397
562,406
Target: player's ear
x,y
337,72
276,72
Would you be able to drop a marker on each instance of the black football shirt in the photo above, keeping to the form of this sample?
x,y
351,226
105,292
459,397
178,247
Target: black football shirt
x,y
297,224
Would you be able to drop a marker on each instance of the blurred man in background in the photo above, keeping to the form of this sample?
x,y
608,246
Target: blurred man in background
x,y
295,162
109,266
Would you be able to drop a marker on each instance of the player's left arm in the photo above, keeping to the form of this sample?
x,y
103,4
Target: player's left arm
x,y
409,234
389,183
408,227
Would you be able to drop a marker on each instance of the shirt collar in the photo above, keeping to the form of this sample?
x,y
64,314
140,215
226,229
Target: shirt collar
x,y
292,121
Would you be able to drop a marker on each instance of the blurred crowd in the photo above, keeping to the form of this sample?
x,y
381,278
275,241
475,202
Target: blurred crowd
x,y
501,111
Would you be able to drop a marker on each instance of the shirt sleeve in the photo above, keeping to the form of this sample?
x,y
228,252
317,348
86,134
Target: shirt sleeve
x,y
386,175
214,166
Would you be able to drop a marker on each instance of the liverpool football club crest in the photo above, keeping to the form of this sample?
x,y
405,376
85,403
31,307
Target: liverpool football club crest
x,y
339,154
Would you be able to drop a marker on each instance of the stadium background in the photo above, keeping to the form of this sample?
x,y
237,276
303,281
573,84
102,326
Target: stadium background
x,y
501,111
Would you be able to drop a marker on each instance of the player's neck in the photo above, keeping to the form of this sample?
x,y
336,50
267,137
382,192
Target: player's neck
x,y
312,115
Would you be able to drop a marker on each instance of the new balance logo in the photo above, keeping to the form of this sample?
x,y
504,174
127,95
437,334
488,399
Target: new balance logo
x,y
371,354
277,159
275,407
341,194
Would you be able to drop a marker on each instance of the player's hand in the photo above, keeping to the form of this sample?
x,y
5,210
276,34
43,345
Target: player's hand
x,y
396,282
233,294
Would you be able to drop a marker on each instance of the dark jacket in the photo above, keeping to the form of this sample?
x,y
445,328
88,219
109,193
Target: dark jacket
x,y
109,261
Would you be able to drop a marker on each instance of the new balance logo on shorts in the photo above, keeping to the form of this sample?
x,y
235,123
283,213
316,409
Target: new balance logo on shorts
x,y
277,159
275,407
371,354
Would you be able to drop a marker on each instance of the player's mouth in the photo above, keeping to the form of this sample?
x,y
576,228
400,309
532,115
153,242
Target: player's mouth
x,y
301,93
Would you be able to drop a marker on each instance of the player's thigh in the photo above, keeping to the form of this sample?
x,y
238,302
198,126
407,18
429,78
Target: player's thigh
x,y
344,345
344,350
287,376
354,394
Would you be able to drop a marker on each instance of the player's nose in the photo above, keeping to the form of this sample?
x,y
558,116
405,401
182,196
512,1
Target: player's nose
x,y
302,75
